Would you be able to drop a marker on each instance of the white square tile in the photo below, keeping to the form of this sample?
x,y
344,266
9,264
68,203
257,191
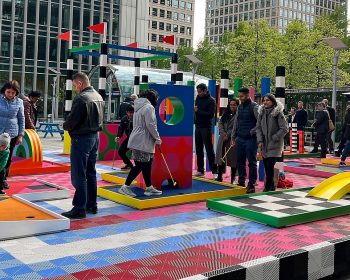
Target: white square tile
x,y
276,214
310,208
267,198
233,203
271,206
297,193
341,202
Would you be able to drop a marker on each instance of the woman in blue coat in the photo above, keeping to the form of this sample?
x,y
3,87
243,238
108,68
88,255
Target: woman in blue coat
x,y
11,121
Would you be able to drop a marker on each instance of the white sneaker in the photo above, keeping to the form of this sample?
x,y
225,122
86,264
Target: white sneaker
x,y
199,174
152,191
126,190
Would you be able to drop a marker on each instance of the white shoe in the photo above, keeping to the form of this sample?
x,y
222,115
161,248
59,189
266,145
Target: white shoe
x,y
126,190
152,191
199,174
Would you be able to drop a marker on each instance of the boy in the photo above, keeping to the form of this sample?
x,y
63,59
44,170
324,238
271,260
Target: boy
x,y
4,153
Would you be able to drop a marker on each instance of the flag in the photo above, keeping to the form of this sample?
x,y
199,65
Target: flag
x,y
99,28
132,45
169,40
65,36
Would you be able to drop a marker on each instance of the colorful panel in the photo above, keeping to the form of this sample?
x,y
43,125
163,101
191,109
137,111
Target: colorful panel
x,y
30,147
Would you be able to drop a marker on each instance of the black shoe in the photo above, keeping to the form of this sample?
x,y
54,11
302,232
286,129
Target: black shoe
x,y
342,163
2,192
250,189
92,210
218,179
126,167
314,151
74,214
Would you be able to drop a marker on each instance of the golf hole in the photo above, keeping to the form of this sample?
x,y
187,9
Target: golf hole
x,y
171,110
30,217
168,184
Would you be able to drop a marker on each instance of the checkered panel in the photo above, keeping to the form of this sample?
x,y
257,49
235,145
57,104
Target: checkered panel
x,y
262,269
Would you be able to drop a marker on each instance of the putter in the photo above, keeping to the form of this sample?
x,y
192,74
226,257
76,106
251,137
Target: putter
x,y
225,155
171,176
115,149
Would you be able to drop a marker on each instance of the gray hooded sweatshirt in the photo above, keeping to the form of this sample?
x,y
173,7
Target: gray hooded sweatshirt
x,y
271,128
144,135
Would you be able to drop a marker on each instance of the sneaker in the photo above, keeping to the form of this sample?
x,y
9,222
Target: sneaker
x,y
126,167
152,191
342,163
92,210
126,190
74,214
198,174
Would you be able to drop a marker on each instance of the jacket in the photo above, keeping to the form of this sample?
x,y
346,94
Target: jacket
x,y
144,135
124,126
124,106
321,124
301,119
271,129
87,112
206,111
30,113
11,116
225,129
346,126
4,155
244,126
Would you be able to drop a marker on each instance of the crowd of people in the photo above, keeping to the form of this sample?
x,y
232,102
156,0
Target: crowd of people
x,y
247,131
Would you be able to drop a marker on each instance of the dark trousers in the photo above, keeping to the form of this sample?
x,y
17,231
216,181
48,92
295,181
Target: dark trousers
x,y
123,149
145,168
341,145
269,165
346,150
222,169
203,139
83,172
5,172
246,149
321,140
330,143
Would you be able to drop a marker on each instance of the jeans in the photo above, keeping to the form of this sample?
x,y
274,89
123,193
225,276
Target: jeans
x,y
247,149
145,168
83,172
203,138
269,165
346,150
123,149
5,172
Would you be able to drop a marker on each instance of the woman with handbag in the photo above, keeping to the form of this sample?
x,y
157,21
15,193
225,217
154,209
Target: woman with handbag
x,y
321,126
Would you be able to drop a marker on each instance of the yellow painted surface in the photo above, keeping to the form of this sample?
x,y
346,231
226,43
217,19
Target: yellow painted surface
x,y
332,188
112,177
332,161
66,143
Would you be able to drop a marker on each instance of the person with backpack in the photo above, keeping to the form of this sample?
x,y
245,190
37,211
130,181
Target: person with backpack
x,y
243,137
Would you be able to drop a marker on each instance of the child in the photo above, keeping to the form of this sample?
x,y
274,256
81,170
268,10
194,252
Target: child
x,y
4,154
283,182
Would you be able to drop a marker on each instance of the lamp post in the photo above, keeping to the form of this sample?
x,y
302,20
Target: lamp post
x,y
54,95
195,61
337,45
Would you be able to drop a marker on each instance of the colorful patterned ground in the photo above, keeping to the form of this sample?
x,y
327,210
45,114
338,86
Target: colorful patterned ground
x,y
167,243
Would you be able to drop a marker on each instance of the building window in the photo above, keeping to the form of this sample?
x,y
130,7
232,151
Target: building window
x,y
162,2
154,37
189,18
176,3
168,14
168,27
154,24
182,17
169,3
189,31
182,4
155,1
161,13
175,16
161,37
189,6
182,29
175,28
161,25
154,12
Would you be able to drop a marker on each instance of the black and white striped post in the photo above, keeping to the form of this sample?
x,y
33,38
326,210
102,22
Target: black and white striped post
x,y
137,76
179,78
69,82
173,68
144,79
103,70
281,85
224,90
294,138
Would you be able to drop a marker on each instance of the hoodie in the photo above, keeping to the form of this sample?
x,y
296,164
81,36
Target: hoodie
x,y
144,135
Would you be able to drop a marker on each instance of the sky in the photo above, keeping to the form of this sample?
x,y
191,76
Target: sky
x,y
199,22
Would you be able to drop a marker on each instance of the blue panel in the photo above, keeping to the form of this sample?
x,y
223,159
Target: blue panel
x,y
186,95
265,86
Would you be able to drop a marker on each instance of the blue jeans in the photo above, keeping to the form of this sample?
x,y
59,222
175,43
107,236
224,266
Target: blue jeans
x,y
246,149
83,172
346,150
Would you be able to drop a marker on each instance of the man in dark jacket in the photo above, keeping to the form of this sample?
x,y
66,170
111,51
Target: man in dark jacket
x,y
204,111
301,117
82,124
244,137
125,105
321,127
331,113
30,109
125,126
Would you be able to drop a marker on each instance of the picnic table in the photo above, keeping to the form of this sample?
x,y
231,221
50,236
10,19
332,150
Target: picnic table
x,y
48,127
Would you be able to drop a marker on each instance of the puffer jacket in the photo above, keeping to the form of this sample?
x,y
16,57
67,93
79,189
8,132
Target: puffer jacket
x,y
271,128
144,135
11,116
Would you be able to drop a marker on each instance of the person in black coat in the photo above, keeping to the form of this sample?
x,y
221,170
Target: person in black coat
x,y
125,105
346,136
331,112
321,126
125,127
301,117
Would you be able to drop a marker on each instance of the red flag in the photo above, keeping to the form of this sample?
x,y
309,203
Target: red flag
x,y
132,45
169,39
64,36
99,28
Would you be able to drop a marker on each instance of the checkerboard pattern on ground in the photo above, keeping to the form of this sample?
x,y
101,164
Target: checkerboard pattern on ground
x,y
184,241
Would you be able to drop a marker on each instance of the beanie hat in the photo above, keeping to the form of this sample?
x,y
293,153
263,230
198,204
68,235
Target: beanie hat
x,y
5,139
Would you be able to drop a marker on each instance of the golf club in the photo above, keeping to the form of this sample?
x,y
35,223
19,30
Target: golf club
x,y
223,158
171,176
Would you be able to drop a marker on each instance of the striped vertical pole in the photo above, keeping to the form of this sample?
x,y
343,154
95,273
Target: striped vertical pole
x,y
144,79
173,68
281,84
301,138
179,78
224,90
103,70
294,138
137,76
69,82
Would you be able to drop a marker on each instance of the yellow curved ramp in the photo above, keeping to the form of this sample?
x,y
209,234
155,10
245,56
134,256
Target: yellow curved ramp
x,y
333,188
332,161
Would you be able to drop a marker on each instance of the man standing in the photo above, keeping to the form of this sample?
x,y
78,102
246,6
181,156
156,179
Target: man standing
x,y
331,112
244,137
291,117
83,123
30,109
301,116
204,111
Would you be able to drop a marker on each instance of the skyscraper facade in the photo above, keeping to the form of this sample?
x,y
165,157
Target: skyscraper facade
x,y
224,15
